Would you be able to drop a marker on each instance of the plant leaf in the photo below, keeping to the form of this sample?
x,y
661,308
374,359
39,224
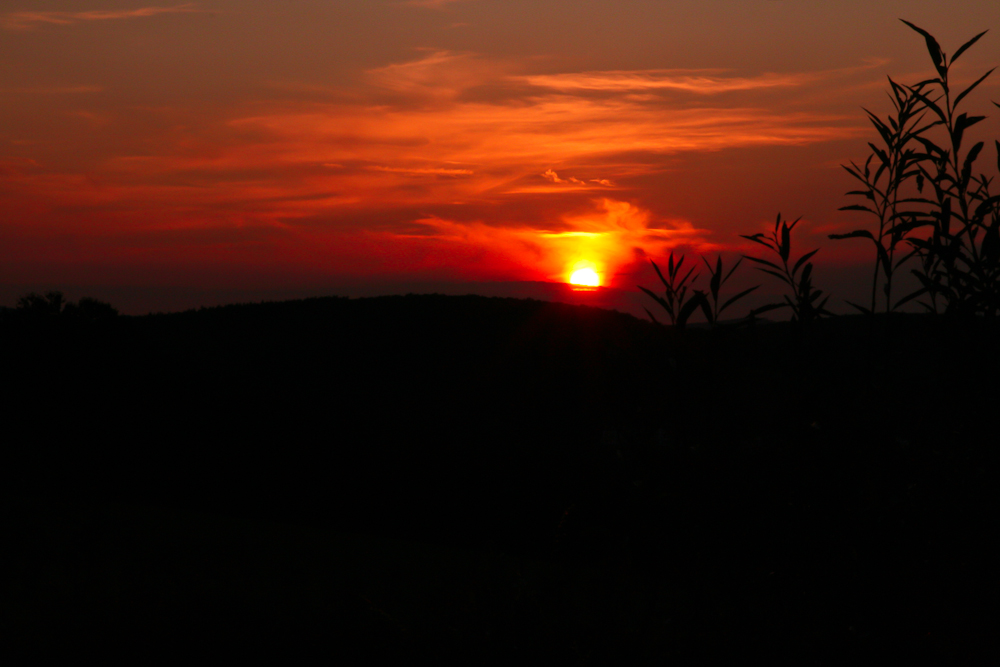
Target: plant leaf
x,y
969,89
962,123
736,298
702,301
662,279
767,307
965,46
716,280
686,310
659,299
856,207
866,311
732,270
910,297
884,258
932,48
932,105
764,262
686,276
777,275
855,234
803,260
758,238
967,167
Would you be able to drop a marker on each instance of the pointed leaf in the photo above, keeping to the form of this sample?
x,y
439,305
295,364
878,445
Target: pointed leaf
x,y
764,262
866,311
855,234
967,167
716,280
662,279
932,47
965,46
736,298
904,227
757,239
804,280
910,297
659,299
881,154
884,258
970,88
783,278
856,207
767,307
785,248
904,259
855,174
686,310
803,260
732,270
882,129
932,105
962,123
863,193
705,307
686,276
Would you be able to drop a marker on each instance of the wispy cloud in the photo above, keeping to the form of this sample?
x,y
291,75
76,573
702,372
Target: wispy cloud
x,y
693,81
424,171
25,20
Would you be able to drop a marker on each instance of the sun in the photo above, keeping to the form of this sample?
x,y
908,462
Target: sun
x,y
586,277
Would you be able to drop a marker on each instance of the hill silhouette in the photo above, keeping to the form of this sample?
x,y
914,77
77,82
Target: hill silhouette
x,y
657,492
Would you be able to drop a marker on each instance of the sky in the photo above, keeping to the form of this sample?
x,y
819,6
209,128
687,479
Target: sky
x,y
166,155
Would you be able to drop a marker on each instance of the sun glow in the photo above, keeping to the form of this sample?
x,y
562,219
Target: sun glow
x,y
586,277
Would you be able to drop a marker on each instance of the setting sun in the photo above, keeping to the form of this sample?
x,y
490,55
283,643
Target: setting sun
x,y
586,277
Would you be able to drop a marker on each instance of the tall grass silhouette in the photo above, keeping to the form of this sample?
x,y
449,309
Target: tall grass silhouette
x,y
959,268
803,298
675,300
679,305
953,231
897,163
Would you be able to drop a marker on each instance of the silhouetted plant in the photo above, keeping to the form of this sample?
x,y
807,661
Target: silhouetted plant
x,y
675,290
898,162
713,311
676,286
803,298
960,259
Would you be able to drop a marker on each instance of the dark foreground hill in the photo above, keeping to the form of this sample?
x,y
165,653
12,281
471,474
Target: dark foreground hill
x,y
461,476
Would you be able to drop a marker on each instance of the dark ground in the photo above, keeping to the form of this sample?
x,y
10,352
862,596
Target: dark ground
x,y
464,478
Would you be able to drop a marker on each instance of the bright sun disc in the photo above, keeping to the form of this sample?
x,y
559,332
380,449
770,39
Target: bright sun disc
x,y
586,277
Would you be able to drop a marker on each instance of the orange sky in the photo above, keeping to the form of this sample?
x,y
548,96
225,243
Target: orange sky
x,y
244,147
